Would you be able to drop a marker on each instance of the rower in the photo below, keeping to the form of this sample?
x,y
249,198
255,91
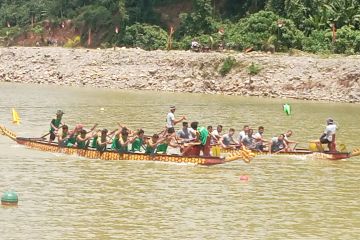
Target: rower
x,y
248,141
63,135
201,143
278,144
55,124
227,140
83,139
287,135
170,119
121,140
328,137
73,135
101,143
216,134
244,132
259,140
137,141
185,134
152,143
166,141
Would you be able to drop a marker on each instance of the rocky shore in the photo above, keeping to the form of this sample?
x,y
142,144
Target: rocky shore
x,y
301,76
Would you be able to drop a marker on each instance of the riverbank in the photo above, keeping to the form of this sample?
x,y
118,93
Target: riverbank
x,y
303,76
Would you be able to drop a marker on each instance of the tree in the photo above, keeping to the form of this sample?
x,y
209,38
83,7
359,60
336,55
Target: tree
x,y
199,21
93,18
344,12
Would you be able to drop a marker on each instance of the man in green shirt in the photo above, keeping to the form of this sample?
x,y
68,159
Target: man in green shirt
x,y
55,124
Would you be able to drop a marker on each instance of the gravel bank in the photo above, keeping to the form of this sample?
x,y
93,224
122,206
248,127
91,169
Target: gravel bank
x,y
335,78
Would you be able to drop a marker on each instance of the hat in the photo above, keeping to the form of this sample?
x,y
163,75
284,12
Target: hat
x,y
172,107
59,112
329,121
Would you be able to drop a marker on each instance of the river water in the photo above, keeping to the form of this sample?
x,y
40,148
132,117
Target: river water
x,y
67,197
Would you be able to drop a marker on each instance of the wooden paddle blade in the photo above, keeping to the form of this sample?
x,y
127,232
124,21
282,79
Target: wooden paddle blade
x,y
355,152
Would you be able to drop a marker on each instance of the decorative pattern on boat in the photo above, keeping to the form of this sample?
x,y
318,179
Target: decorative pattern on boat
x,y
110,155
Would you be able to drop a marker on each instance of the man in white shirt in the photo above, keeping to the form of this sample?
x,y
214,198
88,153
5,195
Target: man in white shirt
x,y
328,137
259,140
244,132
216,134
171,121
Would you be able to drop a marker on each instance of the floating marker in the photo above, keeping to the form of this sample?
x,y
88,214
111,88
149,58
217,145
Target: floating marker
x,y
102,109
244,178
287,109
9,198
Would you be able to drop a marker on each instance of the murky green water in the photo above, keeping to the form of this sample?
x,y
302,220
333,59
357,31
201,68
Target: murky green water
x,y
67,197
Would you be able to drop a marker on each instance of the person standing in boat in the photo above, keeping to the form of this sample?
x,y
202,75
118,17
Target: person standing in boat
x,y
171,121
328,137
227,140
55,124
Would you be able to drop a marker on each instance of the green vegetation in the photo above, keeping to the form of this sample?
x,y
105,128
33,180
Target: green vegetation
x,y
268,25
254,69
227,65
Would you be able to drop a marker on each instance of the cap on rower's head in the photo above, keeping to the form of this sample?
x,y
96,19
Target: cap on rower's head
x,y
172,108
59,112
329,121
104,130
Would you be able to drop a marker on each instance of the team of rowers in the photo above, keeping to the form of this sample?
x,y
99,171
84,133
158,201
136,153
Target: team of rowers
x,y
192,140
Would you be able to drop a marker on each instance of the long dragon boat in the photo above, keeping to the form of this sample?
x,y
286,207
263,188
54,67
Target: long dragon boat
x,y
42,145
304,152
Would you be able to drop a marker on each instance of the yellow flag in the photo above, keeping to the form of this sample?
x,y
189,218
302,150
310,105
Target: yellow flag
x,y
15,117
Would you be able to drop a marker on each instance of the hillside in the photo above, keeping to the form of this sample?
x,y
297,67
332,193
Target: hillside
x,y
303,76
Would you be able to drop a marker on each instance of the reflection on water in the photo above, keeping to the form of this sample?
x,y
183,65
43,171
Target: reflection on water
x,y
67,197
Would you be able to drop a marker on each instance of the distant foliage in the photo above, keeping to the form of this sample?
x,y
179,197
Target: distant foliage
x,y
199,21
258,29
319,41
248,24
145,36
347,41
227,65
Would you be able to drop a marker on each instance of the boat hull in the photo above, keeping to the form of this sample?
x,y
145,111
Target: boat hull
x,y
113,155
300,152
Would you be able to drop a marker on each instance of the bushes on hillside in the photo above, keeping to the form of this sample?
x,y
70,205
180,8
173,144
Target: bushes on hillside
x,y
145,36
264,28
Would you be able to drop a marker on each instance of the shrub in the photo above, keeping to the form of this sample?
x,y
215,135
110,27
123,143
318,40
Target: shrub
x,y
71,43
256,30
145,36
38,30
227,65
319,41
347,41
254,69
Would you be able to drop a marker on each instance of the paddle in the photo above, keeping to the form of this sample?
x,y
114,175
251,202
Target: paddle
x,y
45,135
